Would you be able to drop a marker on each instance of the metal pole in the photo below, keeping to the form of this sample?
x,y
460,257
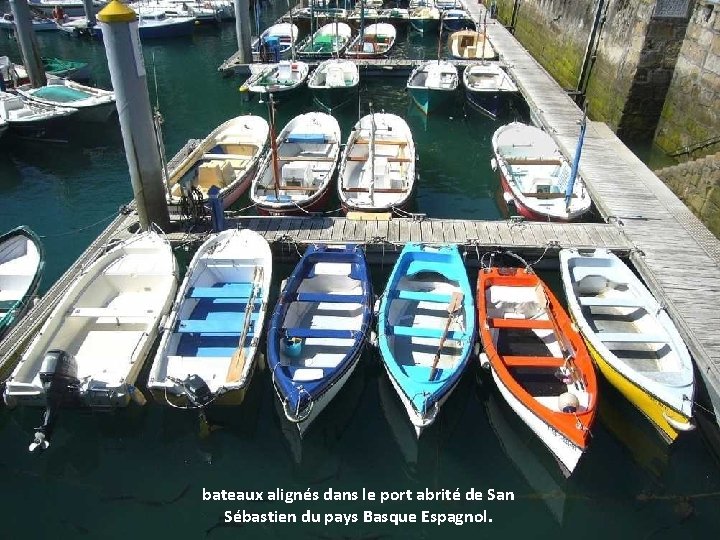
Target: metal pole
x,y
89,12
242,29
28,44
119,26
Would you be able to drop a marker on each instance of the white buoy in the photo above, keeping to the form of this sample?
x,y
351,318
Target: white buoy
x,y
568,402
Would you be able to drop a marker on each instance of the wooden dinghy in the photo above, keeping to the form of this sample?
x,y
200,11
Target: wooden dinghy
x,y
212,333
535,175
318,329
374,40
226,158
22,261
631,337
377,168
294,177
329,40
538,361
470,45
486,86
277,78
334,83
275,43
426,328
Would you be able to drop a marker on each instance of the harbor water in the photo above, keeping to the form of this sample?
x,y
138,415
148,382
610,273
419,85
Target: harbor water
x,y
143,471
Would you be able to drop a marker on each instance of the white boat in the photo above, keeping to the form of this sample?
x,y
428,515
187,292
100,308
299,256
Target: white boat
x,y
470,45
295,178
101,329
456,19
432,84
444,5
486,86
39,24
152,24
374,41
279,37
334,83
202,13
213,331
284,76
226,158
631,338
377,168
30,119
535,175
424,19
69,7
92,104
3,126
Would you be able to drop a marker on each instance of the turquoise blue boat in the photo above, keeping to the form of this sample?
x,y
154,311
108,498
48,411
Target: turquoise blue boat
x,y
22,261
426,328
432,84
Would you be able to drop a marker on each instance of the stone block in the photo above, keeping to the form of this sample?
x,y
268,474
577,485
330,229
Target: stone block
x,y
694,53
705,37
712,63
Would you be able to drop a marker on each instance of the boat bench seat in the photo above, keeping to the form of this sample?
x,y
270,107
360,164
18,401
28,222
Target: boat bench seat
x,y
299,332
97,312
239,157
592,301
533,361
308,374
330,298
416,331
534,324
238,290
581,272
422,296
631,337
230,326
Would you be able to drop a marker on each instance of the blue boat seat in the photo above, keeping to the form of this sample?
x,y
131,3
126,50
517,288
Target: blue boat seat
x,y
330,298
416,331
421,296
631,337
319,333
232,326
416,266
629,302
235,290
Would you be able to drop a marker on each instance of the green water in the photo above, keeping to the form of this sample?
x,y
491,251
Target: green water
x,y
140,472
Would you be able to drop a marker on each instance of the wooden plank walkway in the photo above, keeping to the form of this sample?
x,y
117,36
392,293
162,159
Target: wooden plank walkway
x,y
678,256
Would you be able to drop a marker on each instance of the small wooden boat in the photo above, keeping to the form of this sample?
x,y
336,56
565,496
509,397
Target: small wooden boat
x,y
330,40
294,177
486,86
445,5
538,361
470,45
425,19
69,69
453,20
535,175
631,337
426,328
334,83
275,43
318,329
22,261
227,158
31,119
432,84
92,104
377,168
374,41
100,331
275,78
213,331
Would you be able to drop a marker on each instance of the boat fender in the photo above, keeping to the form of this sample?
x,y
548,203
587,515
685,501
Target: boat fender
x,y
568,402
484,361
476,349
292,346
493,164
678,426
376,307
373,339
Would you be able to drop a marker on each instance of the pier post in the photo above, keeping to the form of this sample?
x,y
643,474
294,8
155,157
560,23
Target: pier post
x,y
218,217
242,29
89,12
28,43
119,26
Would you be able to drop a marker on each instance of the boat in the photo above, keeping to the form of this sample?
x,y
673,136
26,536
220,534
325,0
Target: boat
x,y
91,349
39,23
284,77
373,41
538,360
33,120
425,19
535,175
318,329
92,104
213,330
432,84
330,40
426,328
470,45
202,13
445,5
631,337
334,83
294,177
487,86
275,43
358,15
153,23
22,261
453,20
377,168
71,8
15,74
227,158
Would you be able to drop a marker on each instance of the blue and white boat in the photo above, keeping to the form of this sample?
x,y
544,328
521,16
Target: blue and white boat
x,y
152,24
318,329
432,84
275,43
212,333
426,328
453,20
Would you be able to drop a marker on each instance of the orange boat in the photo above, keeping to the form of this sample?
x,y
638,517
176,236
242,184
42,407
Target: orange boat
x,y
538,360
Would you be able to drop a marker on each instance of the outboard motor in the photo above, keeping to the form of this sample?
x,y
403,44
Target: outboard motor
x,y
58,375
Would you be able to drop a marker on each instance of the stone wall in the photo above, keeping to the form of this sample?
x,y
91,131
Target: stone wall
x,y
697,184
691,115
